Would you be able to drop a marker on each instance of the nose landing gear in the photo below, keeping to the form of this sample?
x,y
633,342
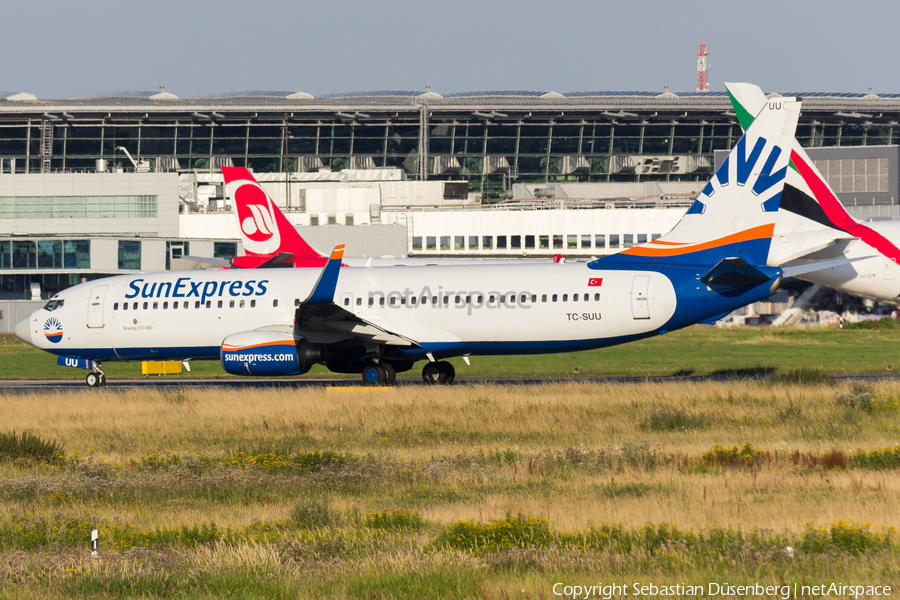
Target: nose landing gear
x,y
96,378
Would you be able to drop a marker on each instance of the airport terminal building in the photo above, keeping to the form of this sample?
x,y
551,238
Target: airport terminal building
x,y
119,183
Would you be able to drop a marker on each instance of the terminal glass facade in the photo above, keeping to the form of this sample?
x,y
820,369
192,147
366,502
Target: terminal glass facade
x,y
77,207
535,147
50,254
224,250
129,255
17,286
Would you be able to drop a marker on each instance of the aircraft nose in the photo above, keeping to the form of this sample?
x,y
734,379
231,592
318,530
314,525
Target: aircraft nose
x,y
23,330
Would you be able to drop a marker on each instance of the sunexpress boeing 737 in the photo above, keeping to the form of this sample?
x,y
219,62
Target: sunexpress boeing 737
x,y
377,321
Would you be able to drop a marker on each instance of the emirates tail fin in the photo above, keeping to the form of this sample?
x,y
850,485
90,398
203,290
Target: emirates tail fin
x,y
810,196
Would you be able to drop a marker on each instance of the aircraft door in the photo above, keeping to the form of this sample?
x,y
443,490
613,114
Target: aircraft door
x,y
640,308
95,306
889,268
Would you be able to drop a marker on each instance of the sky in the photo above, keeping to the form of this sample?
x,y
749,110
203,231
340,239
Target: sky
x,y
57,49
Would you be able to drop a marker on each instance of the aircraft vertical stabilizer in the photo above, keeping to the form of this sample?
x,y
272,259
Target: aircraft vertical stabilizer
x,y
811,211
264,228
734,215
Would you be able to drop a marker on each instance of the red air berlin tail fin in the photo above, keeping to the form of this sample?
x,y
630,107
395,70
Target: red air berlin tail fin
x,y
264,229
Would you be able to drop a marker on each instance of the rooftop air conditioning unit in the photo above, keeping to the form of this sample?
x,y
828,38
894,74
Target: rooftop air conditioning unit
x,y
167,164
444,165
309,164
494,165
362,162
670,165
622,164
456,190
575,165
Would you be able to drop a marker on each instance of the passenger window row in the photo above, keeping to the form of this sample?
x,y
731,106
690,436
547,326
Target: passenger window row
x,y
382,301
459,299
155,305
528,242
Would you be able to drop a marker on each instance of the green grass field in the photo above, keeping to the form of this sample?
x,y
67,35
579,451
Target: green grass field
x,y
696,350
470,491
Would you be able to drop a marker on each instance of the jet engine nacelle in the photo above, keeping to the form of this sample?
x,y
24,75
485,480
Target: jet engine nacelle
x,y
268,353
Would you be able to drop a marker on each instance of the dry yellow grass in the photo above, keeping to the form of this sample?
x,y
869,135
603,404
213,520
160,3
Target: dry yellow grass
x,y
420,422
770,499
779,501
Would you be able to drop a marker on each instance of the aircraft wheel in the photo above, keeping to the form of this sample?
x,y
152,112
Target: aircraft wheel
x,y
102,379
433,374
374,374
391,373
93,379
448,370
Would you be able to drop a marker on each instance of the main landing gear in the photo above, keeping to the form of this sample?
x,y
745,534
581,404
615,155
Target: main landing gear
x,y
433,373
379,374
440,372
96,378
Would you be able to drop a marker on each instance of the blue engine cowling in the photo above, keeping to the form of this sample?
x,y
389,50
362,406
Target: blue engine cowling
x,y
267,353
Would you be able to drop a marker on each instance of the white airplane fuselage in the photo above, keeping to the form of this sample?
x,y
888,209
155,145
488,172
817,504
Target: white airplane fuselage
x,y
872,275
472,309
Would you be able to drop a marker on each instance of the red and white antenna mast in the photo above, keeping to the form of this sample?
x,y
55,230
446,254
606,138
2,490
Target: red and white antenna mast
x,y
702,68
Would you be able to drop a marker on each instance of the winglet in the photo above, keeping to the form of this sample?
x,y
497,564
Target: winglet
x,y
323,291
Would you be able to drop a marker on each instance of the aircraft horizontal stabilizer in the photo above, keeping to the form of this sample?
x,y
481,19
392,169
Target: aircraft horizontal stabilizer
x,y
731,274
817,245
219,262
821,265
282,260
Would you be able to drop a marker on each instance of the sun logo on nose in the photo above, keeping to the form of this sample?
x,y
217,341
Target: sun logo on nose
x,y
53,330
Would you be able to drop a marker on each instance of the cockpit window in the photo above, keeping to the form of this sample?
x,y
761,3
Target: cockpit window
x,y
53,305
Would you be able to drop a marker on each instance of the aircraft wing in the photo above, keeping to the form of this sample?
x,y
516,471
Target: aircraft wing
x,y
322,321
332,324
